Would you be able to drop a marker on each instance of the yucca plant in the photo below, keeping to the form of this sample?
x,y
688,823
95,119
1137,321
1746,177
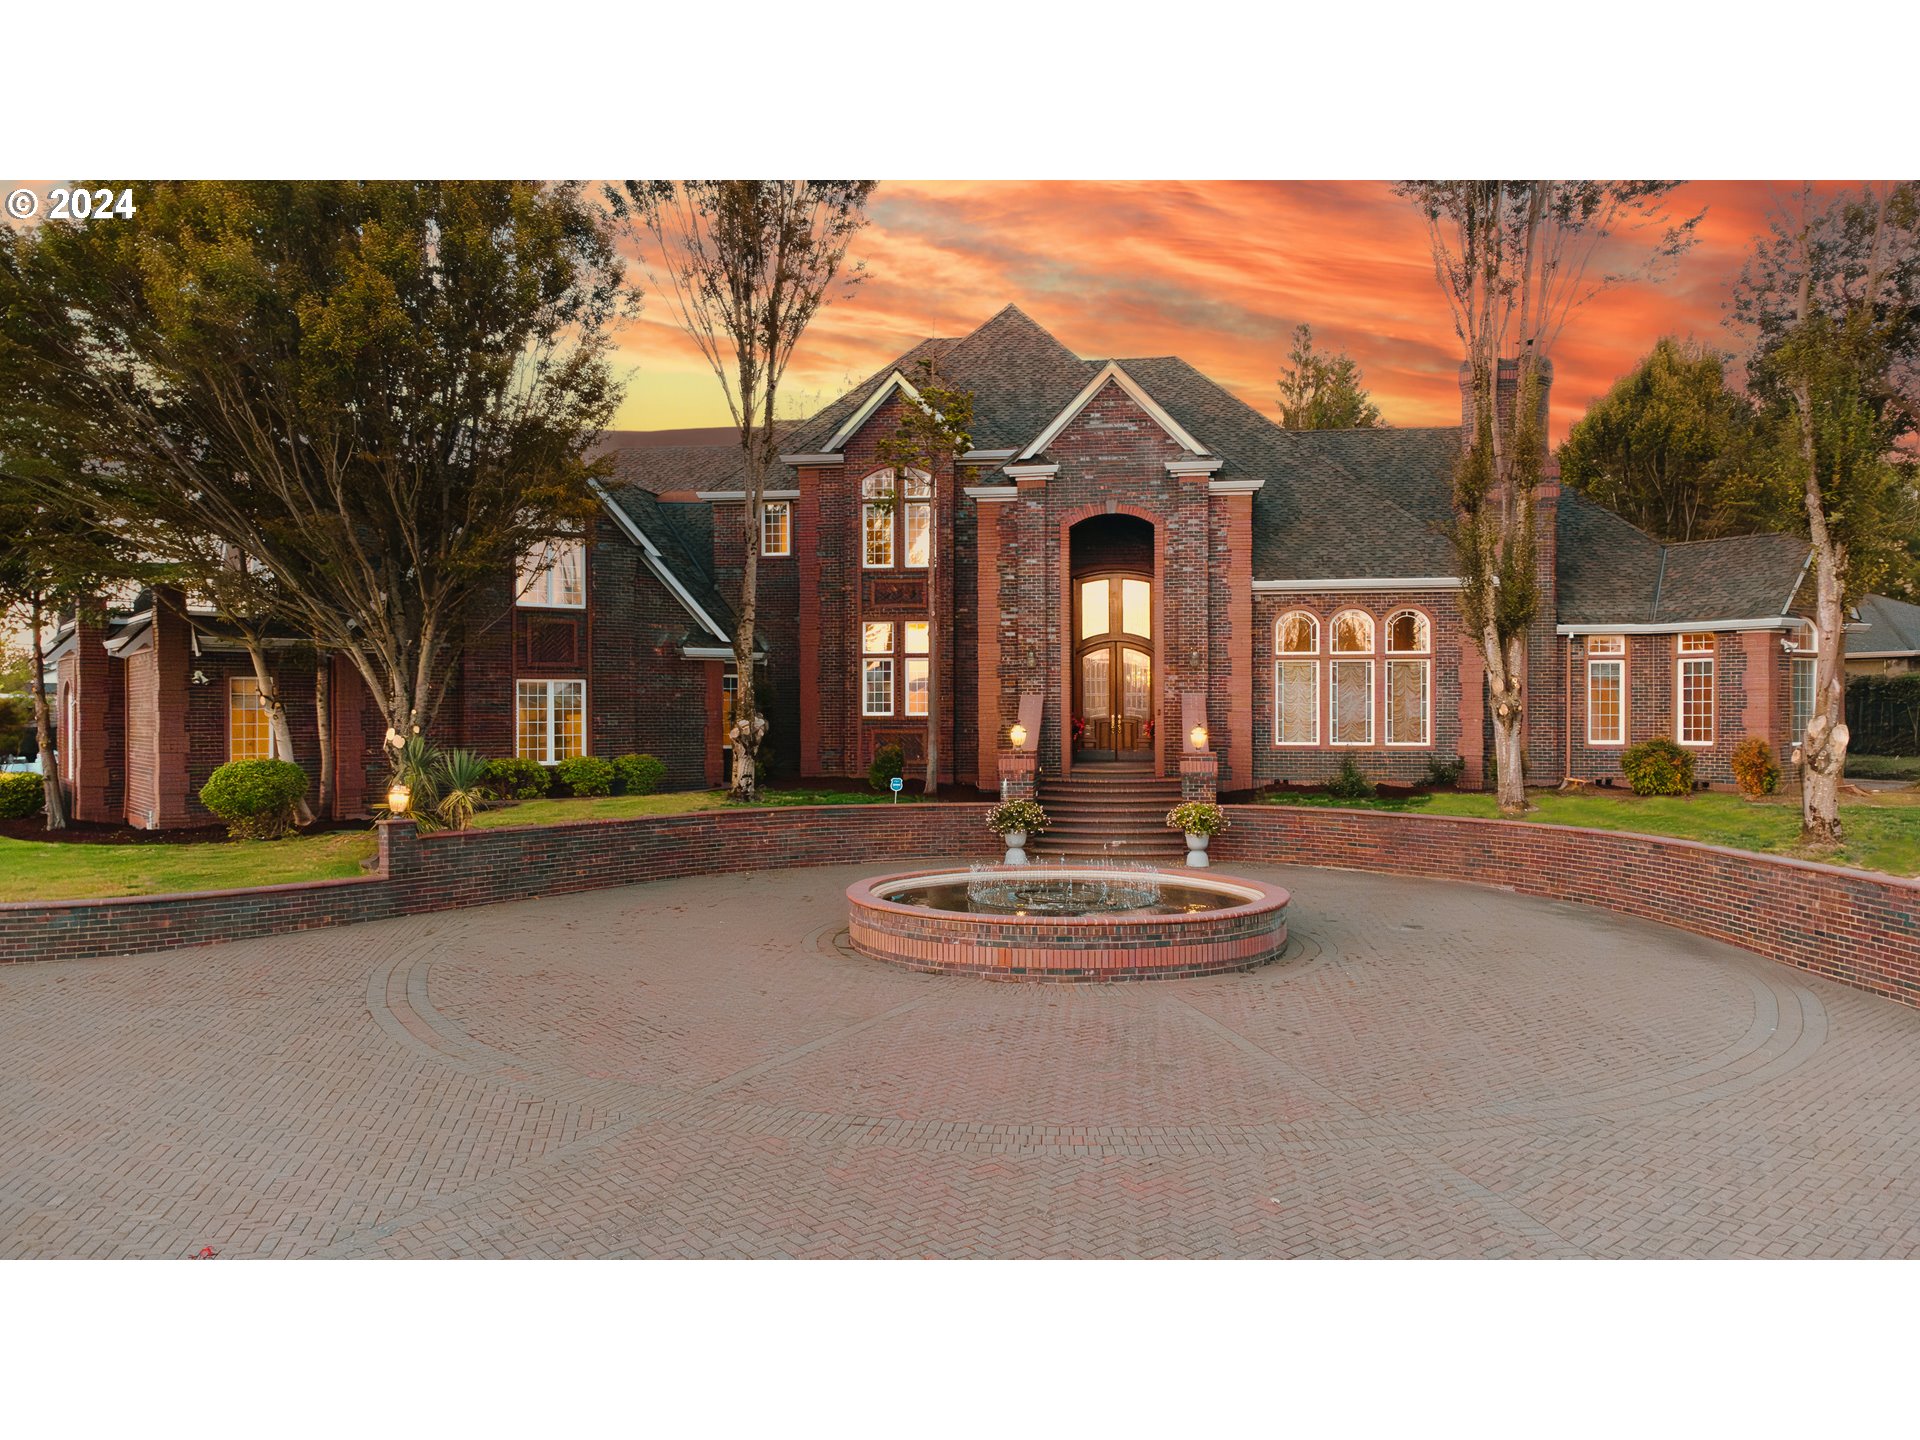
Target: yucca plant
x,y
462,783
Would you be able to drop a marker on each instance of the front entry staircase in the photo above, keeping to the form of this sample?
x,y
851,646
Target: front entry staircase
x,y
1115,810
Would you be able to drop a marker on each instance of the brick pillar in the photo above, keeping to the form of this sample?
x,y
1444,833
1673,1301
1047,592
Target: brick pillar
x,y
1232,641
95,763
173,673
986,581
1019,775
1200,776
1473,712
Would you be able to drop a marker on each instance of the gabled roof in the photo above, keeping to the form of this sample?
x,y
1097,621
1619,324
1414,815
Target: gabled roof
x,y
1892,627
675,538
1112,374
1612,573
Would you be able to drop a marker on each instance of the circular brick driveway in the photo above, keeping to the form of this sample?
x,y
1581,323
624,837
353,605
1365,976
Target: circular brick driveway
x,y
702,1067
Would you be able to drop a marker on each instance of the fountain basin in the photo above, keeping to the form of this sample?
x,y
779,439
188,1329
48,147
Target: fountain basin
x,y
1196,925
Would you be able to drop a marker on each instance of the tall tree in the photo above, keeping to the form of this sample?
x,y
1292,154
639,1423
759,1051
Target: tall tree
x,y
1320,391
1514,259
381,393
1668,446
1831,298
931,435
749,264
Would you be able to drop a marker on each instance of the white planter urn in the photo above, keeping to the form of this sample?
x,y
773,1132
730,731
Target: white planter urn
x,y
1197,850
1016,847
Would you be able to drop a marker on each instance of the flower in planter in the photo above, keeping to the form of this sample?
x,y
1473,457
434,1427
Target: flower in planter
x,y
1197,817
1012,815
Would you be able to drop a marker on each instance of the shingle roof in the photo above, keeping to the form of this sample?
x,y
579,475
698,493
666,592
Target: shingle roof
x,y
1611,573
1893,626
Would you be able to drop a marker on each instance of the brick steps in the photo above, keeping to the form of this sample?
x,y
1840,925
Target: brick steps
x,y
1113,810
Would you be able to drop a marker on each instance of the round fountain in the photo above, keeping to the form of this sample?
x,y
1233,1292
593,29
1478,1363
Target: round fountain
x,y
1059,921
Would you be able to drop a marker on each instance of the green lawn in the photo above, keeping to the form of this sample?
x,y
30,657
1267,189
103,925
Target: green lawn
x,y
679,802
1883,831
1883,767
38,870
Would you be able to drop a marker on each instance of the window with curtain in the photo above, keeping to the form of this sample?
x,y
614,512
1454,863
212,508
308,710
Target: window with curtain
x,y
1410,679
1350,682
1296,680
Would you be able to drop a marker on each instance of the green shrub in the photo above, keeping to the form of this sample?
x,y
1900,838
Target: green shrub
x,y
1446,772
888,761
462,777
1753,768
516,779
1350,783
21,795
639,774
586,775
255,797
1657,767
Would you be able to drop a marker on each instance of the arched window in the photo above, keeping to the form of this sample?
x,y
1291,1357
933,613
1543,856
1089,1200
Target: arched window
x,y
1350,682
1296,680
1409,681
894,508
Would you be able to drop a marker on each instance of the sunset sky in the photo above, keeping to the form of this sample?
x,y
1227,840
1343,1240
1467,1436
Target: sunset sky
x,y
1218,273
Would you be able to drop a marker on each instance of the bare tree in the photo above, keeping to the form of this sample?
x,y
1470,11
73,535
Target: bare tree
x,y
1832,296
1515,258
749,264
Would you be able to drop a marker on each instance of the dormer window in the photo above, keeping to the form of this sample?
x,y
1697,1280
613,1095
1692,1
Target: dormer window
x,y
553,576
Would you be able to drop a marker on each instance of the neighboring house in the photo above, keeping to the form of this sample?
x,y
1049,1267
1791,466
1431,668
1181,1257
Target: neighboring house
x,y
1885,640
1127,549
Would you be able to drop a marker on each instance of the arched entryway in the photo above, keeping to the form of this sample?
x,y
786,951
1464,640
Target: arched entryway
x,y
1113,681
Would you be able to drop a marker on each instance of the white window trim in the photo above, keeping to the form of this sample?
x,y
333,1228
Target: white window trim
x,y
551,733
1333,633
1279,630
1620,741
786,509
1313,661
1424,659
544,579
907,562
1386,633
1618,641
866,695
1682,648
866,560
1696,657
1333,686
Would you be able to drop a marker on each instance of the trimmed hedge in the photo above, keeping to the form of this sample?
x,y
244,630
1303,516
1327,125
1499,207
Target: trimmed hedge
x,y
639,774
255,797
21,795
1658,767
1753,768
888,761
513,778
1883,714
586,775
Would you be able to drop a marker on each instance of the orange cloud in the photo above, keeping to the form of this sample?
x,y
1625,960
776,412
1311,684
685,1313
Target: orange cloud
x,y
1216,272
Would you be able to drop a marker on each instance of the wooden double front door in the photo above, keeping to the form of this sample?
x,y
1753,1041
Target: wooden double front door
x,y
1113,665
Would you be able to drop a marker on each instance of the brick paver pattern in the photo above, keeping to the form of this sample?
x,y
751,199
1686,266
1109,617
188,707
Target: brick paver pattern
x,y
702,1068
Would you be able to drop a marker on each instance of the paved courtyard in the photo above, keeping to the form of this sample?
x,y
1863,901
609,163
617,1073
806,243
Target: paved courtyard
x,y
700,1068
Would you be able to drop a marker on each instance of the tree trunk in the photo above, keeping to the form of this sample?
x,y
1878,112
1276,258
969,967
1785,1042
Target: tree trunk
x,y
1506,702
323,726
1823,751
931,784
279,733
43,731
748,727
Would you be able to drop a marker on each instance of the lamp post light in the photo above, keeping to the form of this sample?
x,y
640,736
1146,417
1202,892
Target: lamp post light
x,y
1198,736
1018,736
399,798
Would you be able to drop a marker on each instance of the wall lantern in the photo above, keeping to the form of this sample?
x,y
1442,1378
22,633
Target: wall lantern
x,y
1017,736
1198,735
399,797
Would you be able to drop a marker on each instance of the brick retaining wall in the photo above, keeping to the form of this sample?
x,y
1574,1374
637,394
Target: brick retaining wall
x,y
1859,929
1856,928
419,874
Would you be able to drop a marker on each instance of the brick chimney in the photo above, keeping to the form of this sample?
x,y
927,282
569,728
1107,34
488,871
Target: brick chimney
x,y
1506,390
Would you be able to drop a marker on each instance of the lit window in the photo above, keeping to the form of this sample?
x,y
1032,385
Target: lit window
x,y
1606,700
249,737
919,521
1696,644
554,576
1093,608
1407,683
919,657
1606,645
776,528
1408,633
1805,674
876,669
1353,633
1136,607
1694,694
1297,634
550,720
1350,704
876,637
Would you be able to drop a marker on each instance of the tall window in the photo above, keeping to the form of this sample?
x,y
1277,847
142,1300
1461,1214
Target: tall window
x,y
776,528
895,516
1805,667
876,668
551,720
554,576
919,658
1409,680
1606,690
1693,690
1296,680
248,735
1350,682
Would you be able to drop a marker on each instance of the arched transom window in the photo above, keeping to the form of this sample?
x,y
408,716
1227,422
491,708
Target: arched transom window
x,y
1296,679
1409,680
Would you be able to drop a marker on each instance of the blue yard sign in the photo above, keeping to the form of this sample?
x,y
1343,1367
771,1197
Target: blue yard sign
x,y
897,785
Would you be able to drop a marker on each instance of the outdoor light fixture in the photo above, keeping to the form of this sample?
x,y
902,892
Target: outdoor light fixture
x,y
399,797
1199,737
1018,736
